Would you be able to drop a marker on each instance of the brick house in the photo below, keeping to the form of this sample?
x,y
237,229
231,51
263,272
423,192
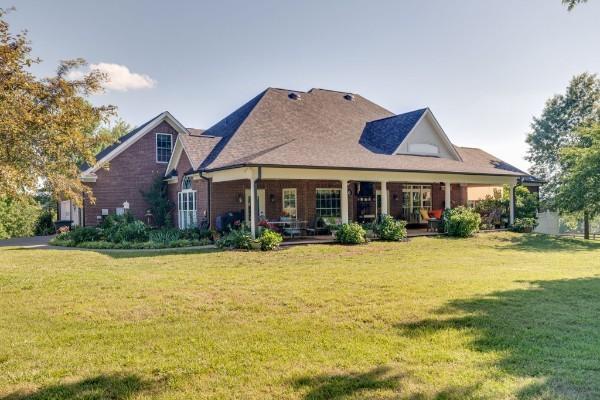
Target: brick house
x,y
299,155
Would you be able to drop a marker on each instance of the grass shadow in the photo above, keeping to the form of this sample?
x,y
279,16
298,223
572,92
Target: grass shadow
x,y
339,386
101,387
549,331
545,243
127,253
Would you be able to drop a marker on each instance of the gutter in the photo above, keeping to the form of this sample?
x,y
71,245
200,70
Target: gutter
x,y
353,169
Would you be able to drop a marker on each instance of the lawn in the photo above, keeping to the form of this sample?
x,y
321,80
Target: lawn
x,y
496,316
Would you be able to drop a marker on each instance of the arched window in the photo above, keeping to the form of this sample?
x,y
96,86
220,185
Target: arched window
x,y
186,184
186,204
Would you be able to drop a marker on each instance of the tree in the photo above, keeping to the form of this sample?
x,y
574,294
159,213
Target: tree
x,y
579,183
48,126
159,202
572,3
554,129
109,134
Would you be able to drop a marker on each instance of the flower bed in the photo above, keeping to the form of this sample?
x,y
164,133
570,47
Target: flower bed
x,y
124,232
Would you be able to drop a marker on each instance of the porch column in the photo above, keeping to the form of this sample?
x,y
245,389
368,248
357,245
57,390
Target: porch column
x,y
384,199
344,202
511,203
447,197
253,207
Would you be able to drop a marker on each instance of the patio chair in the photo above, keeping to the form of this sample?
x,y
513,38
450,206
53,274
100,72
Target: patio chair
x,y
318,227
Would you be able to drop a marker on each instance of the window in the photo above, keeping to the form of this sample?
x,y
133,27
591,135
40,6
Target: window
x,y
186,204
289,203
65,210
164,145
328,203
423,148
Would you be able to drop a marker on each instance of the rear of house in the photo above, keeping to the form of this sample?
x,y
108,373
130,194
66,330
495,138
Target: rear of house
x,y
294,156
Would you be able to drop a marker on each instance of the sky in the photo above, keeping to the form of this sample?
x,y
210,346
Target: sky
x,y
484,67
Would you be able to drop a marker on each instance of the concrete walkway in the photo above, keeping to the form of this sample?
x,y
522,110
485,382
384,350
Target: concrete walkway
x,y
38,242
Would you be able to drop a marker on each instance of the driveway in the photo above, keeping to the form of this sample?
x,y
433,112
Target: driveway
x,y
35,241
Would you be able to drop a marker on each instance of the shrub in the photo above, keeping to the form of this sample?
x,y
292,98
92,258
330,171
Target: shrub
x,y
351,233
389,229
269,240
62,241
524,224
18,216
461,221
135,231
236,239
84,234
44,225
164,235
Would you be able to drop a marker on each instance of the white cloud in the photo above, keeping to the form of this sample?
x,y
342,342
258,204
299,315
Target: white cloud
x,y
120,78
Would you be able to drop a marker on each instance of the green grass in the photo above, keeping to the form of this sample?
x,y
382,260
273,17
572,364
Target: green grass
x,y
496,316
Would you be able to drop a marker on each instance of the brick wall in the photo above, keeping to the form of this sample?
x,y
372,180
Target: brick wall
x,y
225,197
130,172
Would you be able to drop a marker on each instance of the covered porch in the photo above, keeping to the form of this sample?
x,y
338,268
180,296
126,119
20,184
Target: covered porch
x,y
295,199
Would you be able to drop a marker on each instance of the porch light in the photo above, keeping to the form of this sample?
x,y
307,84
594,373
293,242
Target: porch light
x,y
349,192
395,196
240,199
126,205
272,198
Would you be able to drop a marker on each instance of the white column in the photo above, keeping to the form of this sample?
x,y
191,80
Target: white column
x,y
384,199
447,191
511,202
344,202
253,207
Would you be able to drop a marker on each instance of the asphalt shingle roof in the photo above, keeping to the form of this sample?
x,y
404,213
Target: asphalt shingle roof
x,y
385,135
323,128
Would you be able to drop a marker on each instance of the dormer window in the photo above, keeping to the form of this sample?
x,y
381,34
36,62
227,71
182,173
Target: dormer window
x,y
424,149
164,146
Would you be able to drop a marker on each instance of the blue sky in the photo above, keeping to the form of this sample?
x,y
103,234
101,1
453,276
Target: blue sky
x,y
485,68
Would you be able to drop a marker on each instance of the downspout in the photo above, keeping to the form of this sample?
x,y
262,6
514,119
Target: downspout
x,y
82,209
209,185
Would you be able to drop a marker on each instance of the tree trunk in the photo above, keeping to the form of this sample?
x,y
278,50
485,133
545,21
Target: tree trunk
x,y
586,225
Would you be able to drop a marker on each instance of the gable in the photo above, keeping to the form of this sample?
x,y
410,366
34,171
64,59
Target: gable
x,y
427,139
163,122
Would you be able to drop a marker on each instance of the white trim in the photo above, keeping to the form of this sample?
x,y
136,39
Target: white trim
x,y
439,131
88,178
343,203
295,200
156,147
175,155
165,116
358,175
172,180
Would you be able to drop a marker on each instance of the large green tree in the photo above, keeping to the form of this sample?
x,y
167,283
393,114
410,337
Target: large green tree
x,y
579,183
48,127
555,129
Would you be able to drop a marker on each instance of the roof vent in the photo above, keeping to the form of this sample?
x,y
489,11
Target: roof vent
x,y
293,96
349,97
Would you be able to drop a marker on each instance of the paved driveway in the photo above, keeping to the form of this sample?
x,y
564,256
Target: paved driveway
x,y
35,241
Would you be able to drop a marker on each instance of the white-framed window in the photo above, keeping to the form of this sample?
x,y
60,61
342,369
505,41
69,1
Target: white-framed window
x,y
164,146
186,204
290,204
328,203
65,210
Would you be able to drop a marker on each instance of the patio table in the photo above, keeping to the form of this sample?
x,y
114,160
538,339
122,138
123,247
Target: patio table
x,y
291,228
